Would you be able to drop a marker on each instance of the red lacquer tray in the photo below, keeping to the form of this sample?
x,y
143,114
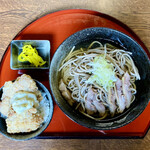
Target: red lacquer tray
x,y
56,27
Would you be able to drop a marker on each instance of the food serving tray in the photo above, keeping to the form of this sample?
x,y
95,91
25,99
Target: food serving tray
x,y
56,27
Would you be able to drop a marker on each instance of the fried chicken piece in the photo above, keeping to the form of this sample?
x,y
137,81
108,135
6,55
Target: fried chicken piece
x,y
26,122
22,83
5,106
30,119
8,90
26,83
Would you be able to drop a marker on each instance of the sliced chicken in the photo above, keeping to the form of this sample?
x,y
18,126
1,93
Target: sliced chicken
x,y
91,95
119,96
90,108
62,86
100,107
126,89
111,102
65,93
94,104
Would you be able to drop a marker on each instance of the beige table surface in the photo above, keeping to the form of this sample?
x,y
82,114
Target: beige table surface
x,y
15,14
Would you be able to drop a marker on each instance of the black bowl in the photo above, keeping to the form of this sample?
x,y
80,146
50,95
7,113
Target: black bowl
x,y
82,39
33,134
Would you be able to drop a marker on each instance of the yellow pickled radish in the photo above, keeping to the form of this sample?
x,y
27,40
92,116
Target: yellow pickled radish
x,y
30,54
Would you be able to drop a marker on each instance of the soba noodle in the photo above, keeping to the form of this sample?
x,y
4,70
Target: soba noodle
x,y
94,90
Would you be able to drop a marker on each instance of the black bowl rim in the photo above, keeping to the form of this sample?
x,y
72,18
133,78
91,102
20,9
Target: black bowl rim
x,y
65,111
48,120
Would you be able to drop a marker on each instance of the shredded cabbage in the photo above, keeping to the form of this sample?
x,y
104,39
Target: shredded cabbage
x,y
31,54
102,73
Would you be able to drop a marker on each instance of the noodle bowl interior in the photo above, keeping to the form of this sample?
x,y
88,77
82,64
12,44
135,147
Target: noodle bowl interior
x,y
99,81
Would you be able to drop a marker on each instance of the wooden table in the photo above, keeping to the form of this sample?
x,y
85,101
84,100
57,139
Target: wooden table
x,y
14,15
